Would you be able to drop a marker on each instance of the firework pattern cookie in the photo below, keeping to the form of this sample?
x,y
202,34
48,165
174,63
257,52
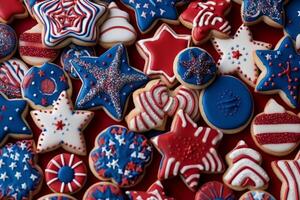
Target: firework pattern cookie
x,y
237,55
12,9
292,21
280,71
156,191
244,170
42,86
108,80
195,68
72,52
69,21
149,12
257,195
62,126
155,103
188,151
20,177
57,196
214,191
120,156
11,75
158,64
207,19
104,190
8,42
65,173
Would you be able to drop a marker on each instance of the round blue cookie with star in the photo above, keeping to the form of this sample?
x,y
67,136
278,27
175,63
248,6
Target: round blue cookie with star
x,y
8,42
41,86
195,68
227,104
120,156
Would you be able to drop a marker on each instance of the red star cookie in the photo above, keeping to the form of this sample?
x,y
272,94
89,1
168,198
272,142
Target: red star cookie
x,y
188,150
10,9
158,63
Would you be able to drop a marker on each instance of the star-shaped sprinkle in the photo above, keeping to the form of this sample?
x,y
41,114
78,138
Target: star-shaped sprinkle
x,y
12,122
107,81
150,11
69,132
157,62
292,21
72,20
188,151
236,54
11,9
281,73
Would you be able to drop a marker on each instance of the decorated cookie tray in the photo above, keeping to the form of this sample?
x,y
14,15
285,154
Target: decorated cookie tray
x,y
99,100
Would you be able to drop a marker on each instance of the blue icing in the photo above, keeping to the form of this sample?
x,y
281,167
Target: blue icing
x,y
43,85
107,81
66,174
282,71
121,155
17,175
196,67
71,52
292,22
58,197
8,41
227,103
148,11
107,194
258,195
253,10
11,119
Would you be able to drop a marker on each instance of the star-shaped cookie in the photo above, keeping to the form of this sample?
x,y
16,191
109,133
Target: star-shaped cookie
x,y
108,80
237,54
280,71
188,151
62,126
11,9
158,64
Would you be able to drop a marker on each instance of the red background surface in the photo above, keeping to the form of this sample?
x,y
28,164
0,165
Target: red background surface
x,y
174,187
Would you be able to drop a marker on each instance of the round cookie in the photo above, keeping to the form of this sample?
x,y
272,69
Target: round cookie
x,y
257,195
42,85
120,156
195,68
8,42
57,196
65,173
104,190
276,131
214,190
231,99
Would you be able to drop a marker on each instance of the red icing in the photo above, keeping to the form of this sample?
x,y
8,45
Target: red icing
x,y
214,190
9,8
276,118
48,86
277,138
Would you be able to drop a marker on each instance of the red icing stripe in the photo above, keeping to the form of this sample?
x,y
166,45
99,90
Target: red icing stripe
x,y
277,138
37,52
31,37
277,118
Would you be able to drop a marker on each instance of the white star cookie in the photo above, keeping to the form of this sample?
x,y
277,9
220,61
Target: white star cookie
x,y
61,126
237,55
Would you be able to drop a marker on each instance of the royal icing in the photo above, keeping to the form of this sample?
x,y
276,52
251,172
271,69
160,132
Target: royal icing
x,y
116,28
11,9
181,153
148,12
237,54
231,99
275,130
288,171
281,71
244,170
257,195
19,176
195,68
11,75
65,173
32,50
72,52
156,191
205,18
214,191
292,21
8,42
62,126
104,190
56,196
155,103
107,81
65,19
158,64
43,85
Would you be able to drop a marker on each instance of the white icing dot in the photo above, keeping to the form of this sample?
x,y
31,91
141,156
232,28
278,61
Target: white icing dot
x,y
17,109
34,95
24,128
10,118
32,83
5,128
52,72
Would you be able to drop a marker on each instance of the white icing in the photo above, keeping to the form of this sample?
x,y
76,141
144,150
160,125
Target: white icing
x,y
273,107
245,151
279,148
276,128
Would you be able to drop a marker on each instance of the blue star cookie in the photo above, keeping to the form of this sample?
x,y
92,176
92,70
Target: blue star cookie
x,y
148,12
281,71
108,80
12,123
292,22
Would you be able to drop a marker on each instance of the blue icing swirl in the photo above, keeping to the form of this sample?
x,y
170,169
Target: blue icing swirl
x,y
8,41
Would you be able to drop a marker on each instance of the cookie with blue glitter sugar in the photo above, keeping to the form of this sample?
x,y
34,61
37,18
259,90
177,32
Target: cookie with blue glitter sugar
x,y
231,100
120,156
57,196
42,85
104,190
8,42
257,195
195,68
